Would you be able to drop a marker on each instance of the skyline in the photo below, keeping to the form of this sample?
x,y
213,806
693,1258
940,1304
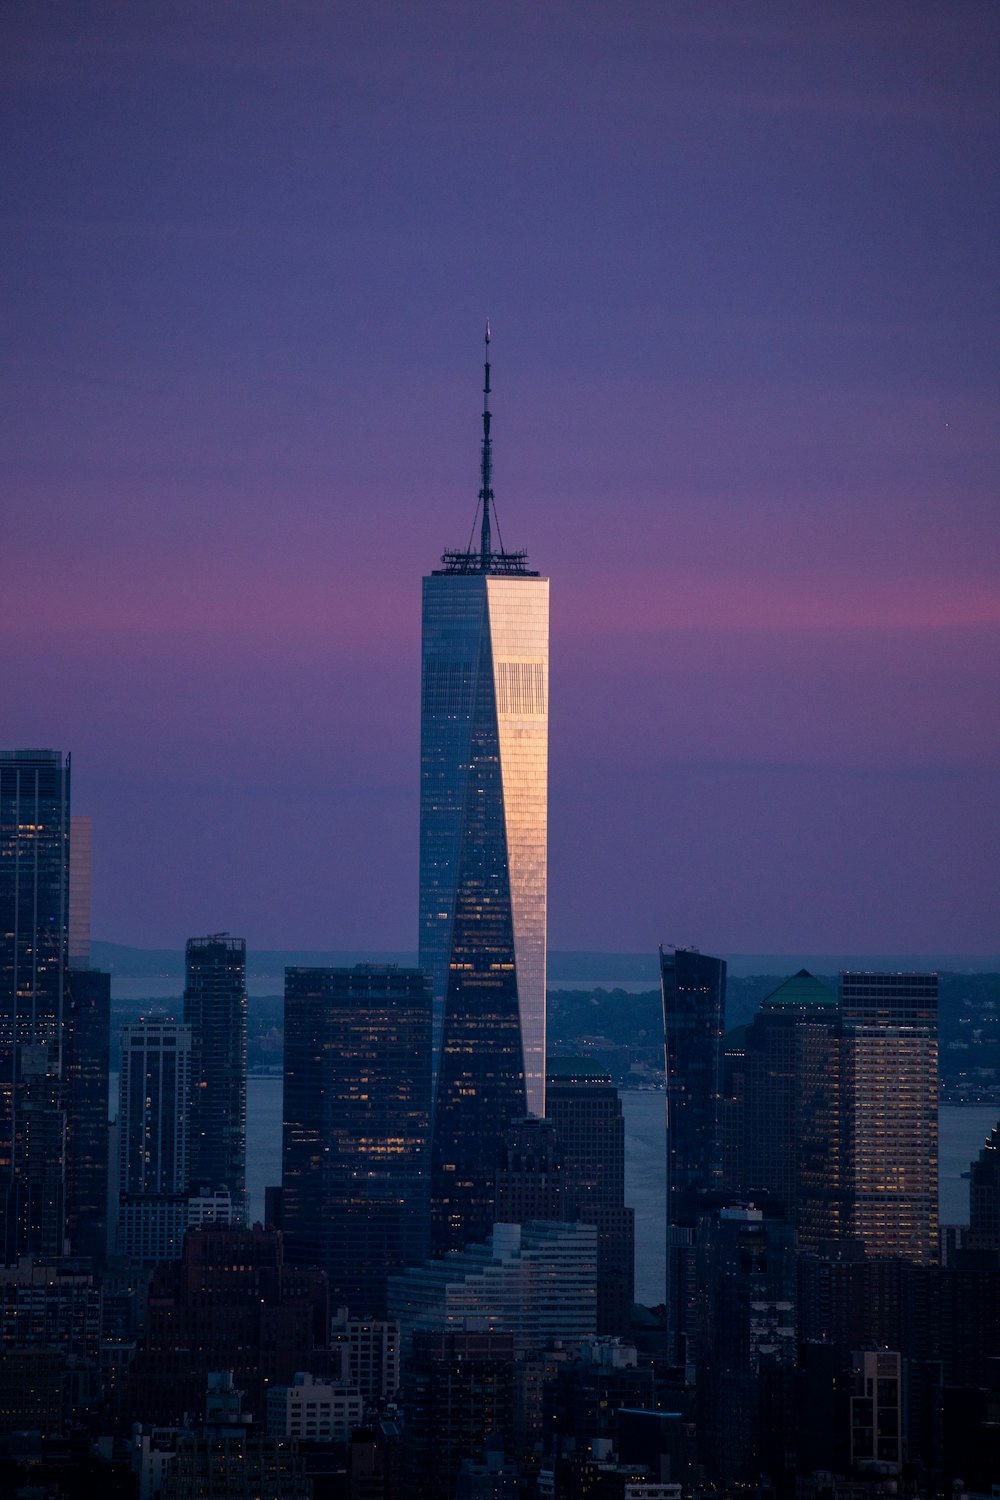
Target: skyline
x,y
739,271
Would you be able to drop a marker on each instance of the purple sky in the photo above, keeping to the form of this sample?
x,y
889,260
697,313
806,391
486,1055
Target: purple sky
x,y
740,263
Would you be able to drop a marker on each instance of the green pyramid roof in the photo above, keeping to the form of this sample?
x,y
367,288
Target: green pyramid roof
x,y
802,990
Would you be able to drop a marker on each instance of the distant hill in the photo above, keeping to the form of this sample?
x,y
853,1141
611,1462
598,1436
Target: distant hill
x,y
564,965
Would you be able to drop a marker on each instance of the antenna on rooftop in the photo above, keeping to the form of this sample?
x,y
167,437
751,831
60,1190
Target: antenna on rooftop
x,y
486,493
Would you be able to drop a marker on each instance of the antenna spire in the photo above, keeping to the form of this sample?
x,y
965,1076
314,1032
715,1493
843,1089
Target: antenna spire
x,y
486,493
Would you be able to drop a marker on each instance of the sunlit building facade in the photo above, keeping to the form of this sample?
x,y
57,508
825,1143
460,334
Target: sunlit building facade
x,y
483,860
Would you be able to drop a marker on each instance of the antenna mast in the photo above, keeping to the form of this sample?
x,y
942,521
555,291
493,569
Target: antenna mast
x,y
486,493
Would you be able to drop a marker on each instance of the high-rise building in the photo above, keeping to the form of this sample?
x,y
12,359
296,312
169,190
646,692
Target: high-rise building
x,y
693,988
86,1070
889,1100
356,1115
586,1114
746,1339
984,1196
483,824
34,926
228,1303
783,1116
153,1117
694,1001
79,890
215,1008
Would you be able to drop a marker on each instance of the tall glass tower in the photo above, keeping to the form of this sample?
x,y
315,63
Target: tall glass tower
x,y
215,1008
483,860
34,926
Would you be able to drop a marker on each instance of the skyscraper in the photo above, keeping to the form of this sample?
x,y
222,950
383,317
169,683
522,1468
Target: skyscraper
x,y
356,1113
483,830
694,999
34,926
693,988
586,1111
153,1140
86,1075
79,890
215,1008
785,1124
889,1093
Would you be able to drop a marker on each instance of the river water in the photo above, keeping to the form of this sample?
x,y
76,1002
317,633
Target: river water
x,y
963,1129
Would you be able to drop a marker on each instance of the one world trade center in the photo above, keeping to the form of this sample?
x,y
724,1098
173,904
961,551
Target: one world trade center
x,y
483,830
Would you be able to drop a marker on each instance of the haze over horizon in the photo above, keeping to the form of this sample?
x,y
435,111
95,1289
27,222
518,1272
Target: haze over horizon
x,y
740,272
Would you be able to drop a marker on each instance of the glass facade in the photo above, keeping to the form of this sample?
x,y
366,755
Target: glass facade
x,y
154,1092
694,999
890,1104
215,1008
484,784
34,924
356,1117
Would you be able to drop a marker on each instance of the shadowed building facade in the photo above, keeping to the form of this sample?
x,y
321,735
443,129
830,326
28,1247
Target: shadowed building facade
x,y
693,988
483,832
215,1008
785,1130
356,1116
34,930
86,1072
586,1112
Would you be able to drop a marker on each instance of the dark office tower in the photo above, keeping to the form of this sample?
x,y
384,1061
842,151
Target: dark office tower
x,y
79,891
586,1112
356,1106
230,1302
529,1177
87,1044
889,1092
782,1108
153,1140
694,1000
215,1008
984,1196
693,987
746,1341
458,1388
34,924
483,812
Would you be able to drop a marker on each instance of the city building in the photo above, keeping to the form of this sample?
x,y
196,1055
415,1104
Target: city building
x,y
694,1002
372,1346
153,1112
746,1341
231,1303
80,842
458,1387
537,1281
34,936
483,824
529,1174
586,1114
86,1094
889,1104
693,987
984,1196
317,1411
783,1121
356,1116
215,1008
